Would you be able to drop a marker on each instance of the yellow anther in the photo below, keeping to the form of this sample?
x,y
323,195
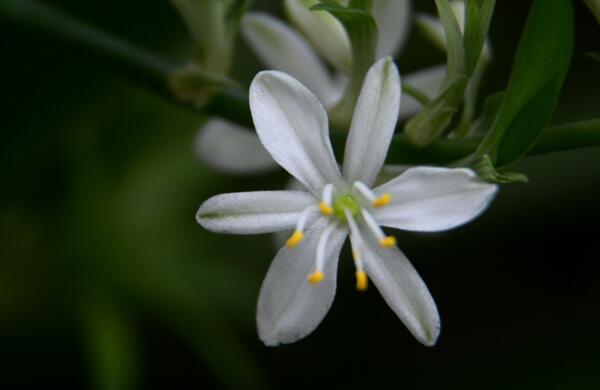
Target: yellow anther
x,y
316,277
295,239
361,281
383,200
325,209
388,242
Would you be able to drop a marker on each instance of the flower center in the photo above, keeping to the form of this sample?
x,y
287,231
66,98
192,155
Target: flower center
x,y
344,202
346,209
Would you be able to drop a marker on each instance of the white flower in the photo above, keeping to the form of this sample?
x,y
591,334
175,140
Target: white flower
x,y
303,53
300,285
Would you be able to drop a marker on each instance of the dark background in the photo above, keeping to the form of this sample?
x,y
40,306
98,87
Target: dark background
x,y
107,282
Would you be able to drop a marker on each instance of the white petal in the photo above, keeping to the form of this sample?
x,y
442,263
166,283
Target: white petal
x,y
253,212
393,24
292,125
325,32
429,199
429,81
232,148
374,122
403,289
289,308
280,237
282,48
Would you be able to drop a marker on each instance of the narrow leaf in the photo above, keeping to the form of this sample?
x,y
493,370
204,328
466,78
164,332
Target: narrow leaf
x,y
539,70
477,23
454,40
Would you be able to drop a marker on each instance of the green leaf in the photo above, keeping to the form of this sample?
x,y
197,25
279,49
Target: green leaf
x,y
235,10
491,106
362,31
430,123
477,23
486,171
594,6
111,344
539,70
454,41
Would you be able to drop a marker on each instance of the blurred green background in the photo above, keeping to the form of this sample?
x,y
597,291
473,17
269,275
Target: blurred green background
x,y
107,282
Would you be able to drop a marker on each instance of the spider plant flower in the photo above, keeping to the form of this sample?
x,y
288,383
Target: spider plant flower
x,y
300,285
316,51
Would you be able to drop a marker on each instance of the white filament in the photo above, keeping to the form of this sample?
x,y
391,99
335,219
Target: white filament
x,y
304,216
322,245
365,191
328,194
373,226
356,240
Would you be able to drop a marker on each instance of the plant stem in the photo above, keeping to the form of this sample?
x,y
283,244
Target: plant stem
x,y
554,139
415,93
153,72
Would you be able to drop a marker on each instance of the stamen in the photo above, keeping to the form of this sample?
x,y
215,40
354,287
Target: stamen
x,y
365,191
318,275
298,235
356,241
376,201
326,200
362,282
383,200
295,239
325,209
388,242
384,241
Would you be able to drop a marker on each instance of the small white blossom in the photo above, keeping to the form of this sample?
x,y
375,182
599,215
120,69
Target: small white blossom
x,y
300,285
303,52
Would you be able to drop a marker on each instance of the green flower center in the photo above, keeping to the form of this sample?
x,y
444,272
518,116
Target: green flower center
x,y
346,202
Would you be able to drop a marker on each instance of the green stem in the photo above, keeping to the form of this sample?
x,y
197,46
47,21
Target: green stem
x,y
415,93
575,135
152,71
555,139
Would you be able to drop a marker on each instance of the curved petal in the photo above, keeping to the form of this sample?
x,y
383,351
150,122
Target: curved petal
x,y
280,237
429,81
403,290
231,148
374,122
323,31
393,24
429,199
282,48
253,212
289,308
292,125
